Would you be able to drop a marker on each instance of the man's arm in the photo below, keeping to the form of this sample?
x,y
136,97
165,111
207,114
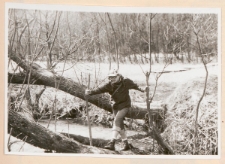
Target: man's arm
x,y
98,90
131,85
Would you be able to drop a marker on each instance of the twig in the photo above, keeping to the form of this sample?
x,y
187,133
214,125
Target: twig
x,y
89,124
25,138
9,144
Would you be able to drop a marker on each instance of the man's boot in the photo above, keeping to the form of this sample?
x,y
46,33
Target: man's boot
x,y
125,146
110,145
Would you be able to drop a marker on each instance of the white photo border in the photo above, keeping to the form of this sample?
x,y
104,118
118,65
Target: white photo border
x,y
74,8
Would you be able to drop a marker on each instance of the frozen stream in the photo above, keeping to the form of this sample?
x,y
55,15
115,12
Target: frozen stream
x,y
67,126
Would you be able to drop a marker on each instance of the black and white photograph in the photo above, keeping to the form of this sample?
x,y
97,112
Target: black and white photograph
x,y
112,81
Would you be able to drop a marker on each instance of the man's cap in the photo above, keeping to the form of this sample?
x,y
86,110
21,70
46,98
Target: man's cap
x,y
113,72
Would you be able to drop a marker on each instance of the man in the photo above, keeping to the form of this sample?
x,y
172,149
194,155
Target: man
x,y
118,87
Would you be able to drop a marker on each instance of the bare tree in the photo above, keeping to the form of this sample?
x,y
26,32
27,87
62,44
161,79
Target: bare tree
x,y
115,40
205,32
149,98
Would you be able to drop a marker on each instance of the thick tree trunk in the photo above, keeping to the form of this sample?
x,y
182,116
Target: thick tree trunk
x,y
41,76
22,126
27,129
100,142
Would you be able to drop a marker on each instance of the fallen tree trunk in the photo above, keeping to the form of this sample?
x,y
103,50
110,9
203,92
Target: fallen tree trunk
x,y
22,126
99,142
41,76
37,135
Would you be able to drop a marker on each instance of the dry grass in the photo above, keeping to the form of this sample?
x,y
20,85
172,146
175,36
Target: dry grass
x,y
181,115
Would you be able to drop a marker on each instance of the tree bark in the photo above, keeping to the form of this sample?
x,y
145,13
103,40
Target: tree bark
x,y
41,76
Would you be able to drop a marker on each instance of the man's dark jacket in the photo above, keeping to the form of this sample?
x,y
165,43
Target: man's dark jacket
x,y
119,92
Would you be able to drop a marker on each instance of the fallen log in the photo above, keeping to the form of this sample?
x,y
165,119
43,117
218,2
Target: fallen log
x,y
41,76
135,149
99,142
25,128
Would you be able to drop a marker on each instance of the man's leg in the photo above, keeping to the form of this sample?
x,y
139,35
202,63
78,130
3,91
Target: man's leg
x,y
115,132
119,123
125,145
119,117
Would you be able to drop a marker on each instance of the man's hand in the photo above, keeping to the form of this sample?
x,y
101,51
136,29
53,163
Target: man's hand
x,y
87,92
143,89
